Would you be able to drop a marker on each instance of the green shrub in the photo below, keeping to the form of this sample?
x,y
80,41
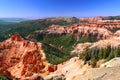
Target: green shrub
x,y
4,77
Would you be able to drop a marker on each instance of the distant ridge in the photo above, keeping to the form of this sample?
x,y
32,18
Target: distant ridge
x,y
11,20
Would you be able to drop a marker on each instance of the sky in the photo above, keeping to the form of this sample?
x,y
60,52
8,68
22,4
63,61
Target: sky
x,y
57,8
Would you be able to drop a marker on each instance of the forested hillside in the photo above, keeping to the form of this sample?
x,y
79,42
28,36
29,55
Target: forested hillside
x,y
26,27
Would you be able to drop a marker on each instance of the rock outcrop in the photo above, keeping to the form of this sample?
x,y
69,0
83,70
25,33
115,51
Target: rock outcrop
x,y
113,62
117,33
99,29
22,58
70,69
113,42
77,30
107,71
111,73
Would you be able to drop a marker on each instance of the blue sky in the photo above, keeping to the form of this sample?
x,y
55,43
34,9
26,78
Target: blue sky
x,y
55,8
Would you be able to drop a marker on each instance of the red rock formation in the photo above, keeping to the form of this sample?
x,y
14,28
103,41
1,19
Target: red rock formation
x,y
98,29
77,30
52,68
23,58
5,72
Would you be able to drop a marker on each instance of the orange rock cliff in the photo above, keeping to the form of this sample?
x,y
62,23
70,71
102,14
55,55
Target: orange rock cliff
x,y
20,58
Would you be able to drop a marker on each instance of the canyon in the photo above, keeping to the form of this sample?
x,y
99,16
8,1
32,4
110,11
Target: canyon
x,y
26,59
101,30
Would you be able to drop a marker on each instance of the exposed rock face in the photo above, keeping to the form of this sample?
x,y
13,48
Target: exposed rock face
x,y
112,42
80,48
101,44
107,71
74,69
77,30
70,69
112,63
117,33
92,19
97,29
23,58
5,72
111,73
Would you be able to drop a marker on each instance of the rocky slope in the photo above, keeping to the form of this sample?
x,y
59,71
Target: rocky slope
x,y
112,63
70,69
113,42
74,69
77,30
108,71
22,58
102,29
25,59
102,74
